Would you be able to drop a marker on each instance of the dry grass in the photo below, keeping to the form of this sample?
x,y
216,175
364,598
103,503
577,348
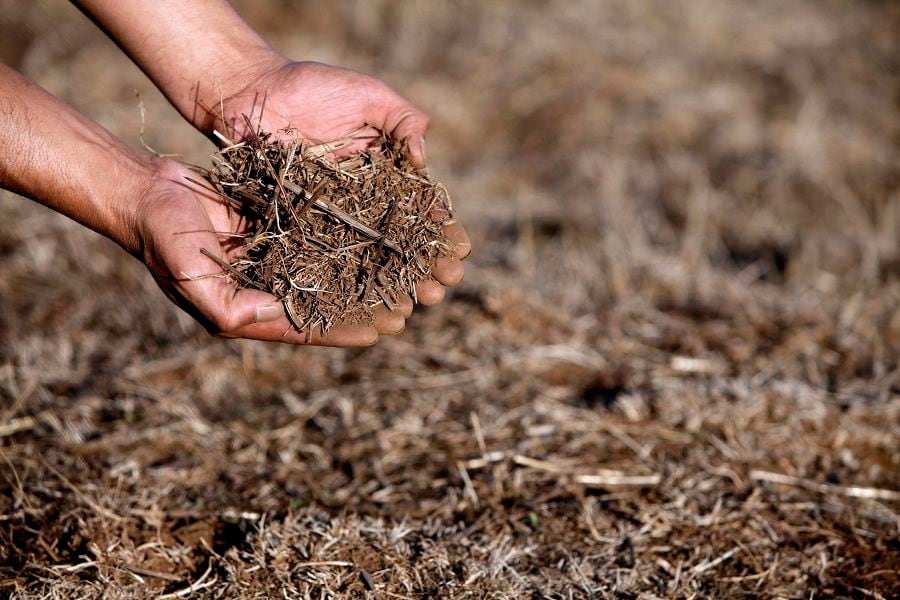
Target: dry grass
x,y
672,370
331,239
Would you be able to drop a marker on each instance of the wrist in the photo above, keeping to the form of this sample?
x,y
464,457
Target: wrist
x,y
154,182
195,52
68,162
120,195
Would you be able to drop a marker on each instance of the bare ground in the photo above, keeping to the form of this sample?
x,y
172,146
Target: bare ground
x,y
672,370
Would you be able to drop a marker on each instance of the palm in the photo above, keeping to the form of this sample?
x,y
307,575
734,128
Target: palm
x,y
322,103
186,219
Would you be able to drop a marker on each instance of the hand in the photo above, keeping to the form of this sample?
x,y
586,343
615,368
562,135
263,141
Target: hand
x,y
320,102
176,218
324,103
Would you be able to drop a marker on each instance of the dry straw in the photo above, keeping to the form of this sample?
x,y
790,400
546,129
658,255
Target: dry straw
x,y
332,238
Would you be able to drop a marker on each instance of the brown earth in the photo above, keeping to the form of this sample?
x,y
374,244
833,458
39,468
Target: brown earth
x,y
672,370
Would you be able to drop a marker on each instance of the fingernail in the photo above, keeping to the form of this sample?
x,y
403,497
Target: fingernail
x,y
423,155
464,247
269,312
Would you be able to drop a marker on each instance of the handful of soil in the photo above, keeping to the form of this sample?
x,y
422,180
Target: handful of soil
x,y
331,239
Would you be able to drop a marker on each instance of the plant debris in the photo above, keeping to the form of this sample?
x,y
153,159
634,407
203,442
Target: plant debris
x,y
333,239
668,287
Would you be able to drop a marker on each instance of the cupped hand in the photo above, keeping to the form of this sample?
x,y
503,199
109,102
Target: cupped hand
x,y
322,103
175,220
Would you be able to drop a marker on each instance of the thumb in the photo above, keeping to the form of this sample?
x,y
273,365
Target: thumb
x,y
262,307
227,310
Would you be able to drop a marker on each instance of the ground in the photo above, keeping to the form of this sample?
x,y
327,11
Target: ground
x,y
672,370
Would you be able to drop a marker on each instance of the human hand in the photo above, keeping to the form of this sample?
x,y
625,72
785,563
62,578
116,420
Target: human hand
x,y
323,103
175,218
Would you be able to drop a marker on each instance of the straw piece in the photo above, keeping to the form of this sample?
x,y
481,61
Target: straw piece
x,y
825,488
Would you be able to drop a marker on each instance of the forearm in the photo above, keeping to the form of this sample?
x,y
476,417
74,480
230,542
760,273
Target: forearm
x,y
52,154
191,50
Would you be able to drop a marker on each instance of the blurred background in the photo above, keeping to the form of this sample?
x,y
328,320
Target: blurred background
x,y
686,265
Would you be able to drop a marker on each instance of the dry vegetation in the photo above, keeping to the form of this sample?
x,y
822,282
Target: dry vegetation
x,y
672,370
333,238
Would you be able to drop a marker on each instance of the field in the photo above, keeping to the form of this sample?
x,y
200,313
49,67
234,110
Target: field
x,y
673,369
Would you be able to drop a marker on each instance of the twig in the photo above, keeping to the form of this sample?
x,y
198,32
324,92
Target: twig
x,y
533,463
619,480
711,564
825,488
227,267
467,483
151,573
16,425
337,213
197,585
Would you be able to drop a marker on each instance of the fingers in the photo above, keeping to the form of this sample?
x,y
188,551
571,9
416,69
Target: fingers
x,y
456,233
269,323
403,121
253,314
389,322
281,330
417,155
343,336
448,271
406,306
429,292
